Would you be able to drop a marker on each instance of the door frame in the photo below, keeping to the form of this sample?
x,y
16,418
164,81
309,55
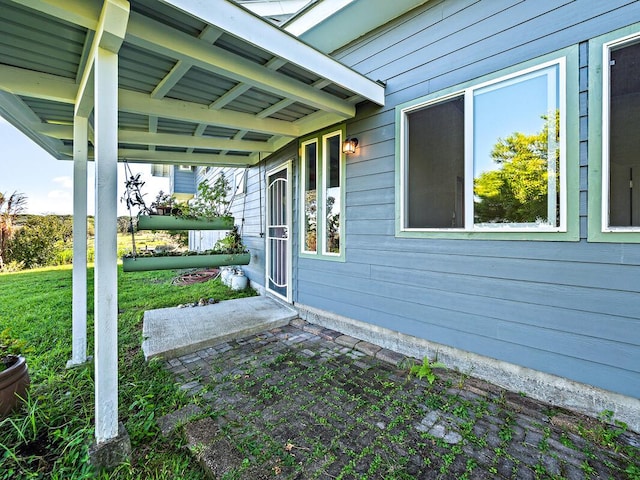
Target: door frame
x,y
289,215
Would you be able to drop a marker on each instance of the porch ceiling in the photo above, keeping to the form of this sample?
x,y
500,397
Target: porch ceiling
x,y
200,83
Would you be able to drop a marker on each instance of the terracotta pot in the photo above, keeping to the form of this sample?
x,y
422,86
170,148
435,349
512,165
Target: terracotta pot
x,y
14,382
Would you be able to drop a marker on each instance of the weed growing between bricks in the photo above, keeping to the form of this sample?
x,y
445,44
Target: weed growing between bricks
x,y
292,404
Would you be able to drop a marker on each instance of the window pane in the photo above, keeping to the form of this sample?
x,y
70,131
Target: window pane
x,y
333,194
310,197
516,155
435,166
624,141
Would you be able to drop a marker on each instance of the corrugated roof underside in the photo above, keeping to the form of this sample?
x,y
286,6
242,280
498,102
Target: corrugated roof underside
x,y
49,111
29,40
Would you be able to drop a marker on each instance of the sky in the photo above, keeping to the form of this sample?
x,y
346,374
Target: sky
x,y
511,106
48,183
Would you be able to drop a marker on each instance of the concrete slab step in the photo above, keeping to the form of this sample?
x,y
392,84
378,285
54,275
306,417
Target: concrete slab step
x,y
172,332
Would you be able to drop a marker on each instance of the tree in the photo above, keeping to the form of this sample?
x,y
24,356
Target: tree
x,y
517,191
10,208
40,240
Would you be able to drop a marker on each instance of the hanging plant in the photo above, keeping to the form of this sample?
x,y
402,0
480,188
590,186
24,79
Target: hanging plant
x,y
133,196
211,201
209,210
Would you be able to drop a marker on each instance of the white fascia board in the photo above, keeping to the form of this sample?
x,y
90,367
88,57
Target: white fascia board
x,y
315,16
266,8
354,19
243,24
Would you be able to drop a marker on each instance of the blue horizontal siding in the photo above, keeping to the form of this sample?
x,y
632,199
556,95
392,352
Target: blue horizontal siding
x,y
567,308
605,376
183,181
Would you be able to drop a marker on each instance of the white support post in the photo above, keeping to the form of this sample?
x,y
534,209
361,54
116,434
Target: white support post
x,y
106,272
79,306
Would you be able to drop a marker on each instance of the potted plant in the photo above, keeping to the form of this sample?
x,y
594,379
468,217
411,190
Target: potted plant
x,y
163,204
14,374
229,250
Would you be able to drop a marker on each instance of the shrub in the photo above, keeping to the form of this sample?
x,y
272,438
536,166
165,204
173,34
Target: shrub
x,y
40,240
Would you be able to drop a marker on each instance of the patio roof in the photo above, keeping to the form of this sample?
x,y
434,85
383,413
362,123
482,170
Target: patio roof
x,y
199,83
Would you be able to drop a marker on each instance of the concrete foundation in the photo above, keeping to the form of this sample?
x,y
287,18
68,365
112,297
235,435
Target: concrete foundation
x,y
109,454
552,389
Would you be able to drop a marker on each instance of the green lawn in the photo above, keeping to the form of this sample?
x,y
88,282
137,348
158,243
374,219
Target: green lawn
x,y
49,437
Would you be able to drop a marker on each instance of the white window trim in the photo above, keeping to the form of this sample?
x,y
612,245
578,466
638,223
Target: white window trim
x,y
468,161
606,129
303,192
240,180
319,140
325,171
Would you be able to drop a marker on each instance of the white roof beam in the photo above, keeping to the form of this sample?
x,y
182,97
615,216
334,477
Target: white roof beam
x,y
65,132
175,158
235,92
152,35
50,87
153,128
242,24
178,158
28,83
209,35
286,102
316,121
109,36
134,102
190,141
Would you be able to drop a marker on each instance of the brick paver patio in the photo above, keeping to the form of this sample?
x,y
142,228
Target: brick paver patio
x,y
306,402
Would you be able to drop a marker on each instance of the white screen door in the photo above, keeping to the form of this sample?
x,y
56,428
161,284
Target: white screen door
x,y
278,228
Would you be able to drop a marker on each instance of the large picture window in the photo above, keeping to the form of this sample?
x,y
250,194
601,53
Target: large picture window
x,y
613,146
322,196
621,162
489,157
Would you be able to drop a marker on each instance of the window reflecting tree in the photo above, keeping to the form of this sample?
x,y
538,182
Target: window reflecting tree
x,y
517,190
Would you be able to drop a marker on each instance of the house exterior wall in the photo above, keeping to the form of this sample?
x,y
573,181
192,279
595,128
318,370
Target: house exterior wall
x,y
182,181
568,308
249,210
252,207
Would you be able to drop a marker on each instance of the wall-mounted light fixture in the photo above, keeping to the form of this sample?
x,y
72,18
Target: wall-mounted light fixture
x,y
349,145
